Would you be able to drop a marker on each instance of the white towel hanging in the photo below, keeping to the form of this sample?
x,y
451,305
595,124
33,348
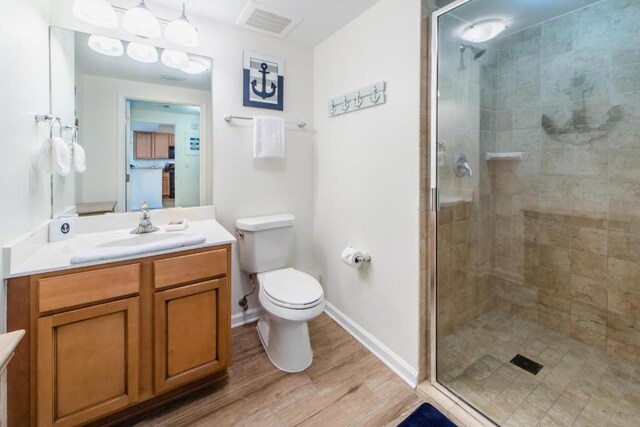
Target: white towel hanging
x,y
55,156
79,158
268,137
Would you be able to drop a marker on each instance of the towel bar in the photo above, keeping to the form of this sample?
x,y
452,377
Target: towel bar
x,y
229,118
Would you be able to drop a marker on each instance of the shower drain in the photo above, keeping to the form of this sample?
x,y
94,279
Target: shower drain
x,y
527,364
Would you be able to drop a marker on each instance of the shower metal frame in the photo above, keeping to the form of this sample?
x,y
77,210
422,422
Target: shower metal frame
x,y
432,256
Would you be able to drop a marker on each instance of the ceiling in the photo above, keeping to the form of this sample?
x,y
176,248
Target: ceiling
x,y
320,18
123,67
520,14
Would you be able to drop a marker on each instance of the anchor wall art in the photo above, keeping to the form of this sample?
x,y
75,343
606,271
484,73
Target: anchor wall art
x,y
263,81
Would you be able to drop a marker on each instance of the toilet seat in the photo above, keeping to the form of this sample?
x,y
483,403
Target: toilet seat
x,y
290,288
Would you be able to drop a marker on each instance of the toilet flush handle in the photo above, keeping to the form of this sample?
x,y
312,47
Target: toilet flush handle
x,y
240,234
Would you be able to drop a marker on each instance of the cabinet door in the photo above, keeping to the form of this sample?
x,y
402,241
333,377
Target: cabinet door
x,y
166,188
192,333
143,145
160,145
88,362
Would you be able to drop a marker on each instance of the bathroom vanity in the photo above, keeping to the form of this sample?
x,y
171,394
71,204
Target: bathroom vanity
x,y
112,339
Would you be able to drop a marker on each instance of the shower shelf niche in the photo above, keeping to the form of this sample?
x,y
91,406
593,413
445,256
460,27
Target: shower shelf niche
x,y
510,155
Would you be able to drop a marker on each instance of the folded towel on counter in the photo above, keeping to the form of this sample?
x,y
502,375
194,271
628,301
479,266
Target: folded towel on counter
x,y
55,156
128,250
79,158
268,137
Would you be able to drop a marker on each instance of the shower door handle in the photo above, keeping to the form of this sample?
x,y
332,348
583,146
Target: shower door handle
x,y
435,199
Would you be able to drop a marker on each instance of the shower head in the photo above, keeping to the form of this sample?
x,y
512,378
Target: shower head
x,y
476,51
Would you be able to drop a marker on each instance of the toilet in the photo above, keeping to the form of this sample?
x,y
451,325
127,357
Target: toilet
x,y
290,298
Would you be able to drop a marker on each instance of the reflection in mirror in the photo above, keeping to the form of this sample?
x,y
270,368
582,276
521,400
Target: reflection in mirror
x,y
141,121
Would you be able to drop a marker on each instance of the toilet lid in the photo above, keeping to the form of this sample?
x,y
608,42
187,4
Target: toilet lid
x,y
291,287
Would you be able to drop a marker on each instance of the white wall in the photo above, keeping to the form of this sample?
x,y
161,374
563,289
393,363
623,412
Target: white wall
x,y
24,85
243,186
366,183
100,130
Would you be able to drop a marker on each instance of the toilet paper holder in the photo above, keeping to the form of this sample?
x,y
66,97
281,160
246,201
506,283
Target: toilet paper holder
x,y
362,258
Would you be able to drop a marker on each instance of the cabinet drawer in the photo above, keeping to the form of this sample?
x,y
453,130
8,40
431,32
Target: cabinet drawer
x,y
188,268
92,286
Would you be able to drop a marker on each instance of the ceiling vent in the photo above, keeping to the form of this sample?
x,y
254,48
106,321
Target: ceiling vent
x,y
267,20
172,77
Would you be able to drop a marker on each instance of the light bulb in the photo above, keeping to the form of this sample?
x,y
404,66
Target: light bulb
x,y
106,45
141,22
196,66
95,12
483,31
142,52
175,59
181,32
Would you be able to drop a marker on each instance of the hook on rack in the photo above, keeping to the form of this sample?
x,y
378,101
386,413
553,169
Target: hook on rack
x,y
357,102
345,104
375,96
332,107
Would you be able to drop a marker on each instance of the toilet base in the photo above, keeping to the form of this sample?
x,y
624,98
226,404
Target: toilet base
x,y
286,343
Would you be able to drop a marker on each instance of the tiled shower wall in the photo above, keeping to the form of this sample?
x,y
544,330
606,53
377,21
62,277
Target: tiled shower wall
x,y
566,219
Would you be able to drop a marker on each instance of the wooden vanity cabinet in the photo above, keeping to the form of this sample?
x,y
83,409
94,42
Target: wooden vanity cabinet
x,y
185,333
87,362
110,341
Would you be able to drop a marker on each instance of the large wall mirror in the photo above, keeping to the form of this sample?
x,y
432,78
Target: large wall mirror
x,y
143,121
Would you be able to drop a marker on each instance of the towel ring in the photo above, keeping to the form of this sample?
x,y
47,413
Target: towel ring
x,y
52,124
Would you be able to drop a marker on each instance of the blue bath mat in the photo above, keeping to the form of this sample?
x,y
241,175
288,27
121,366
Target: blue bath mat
x,y
426,416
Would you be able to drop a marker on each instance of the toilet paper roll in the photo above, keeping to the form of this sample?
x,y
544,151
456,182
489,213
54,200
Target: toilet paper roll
x,y
349,255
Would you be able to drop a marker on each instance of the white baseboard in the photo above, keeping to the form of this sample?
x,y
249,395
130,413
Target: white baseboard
x,y
405,371
244,317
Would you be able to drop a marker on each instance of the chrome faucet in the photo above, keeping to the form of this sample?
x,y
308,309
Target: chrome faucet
x,y
145,225
461,165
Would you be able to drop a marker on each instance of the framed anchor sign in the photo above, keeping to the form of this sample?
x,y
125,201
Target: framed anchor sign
x,y
263,81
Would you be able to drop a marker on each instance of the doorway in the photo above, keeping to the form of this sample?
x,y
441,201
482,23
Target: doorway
x,y
163,154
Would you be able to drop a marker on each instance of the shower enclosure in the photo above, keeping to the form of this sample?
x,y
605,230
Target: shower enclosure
x,y
535,166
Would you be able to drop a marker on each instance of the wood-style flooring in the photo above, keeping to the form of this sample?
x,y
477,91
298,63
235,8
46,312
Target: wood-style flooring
x,y
345,385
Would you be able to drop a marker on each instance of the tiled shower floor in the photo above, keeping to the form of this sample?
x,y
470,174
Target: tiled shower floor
x,y
578,385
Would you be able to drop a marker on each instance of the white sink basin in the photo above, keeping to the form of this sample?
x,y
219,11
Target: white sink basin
x,y
140,239
136,244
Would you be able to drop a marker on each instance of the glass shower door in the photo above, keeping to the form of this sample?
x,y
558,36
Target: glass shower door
x,y
537,153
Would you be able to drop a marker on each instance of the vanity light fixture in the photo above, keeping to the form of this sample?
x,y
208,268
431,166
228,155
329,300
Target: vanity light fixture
x,y
96,12
484,30
142,52
174,59
181,32
106,45
141,22
195,66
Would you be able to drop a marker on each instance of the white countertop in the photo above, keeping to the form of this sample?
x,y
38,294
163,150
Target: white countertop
x,y
8,343
32,254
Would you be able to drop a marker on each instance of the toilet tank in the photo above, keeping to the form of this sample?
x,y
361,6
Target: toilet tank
x,y
265,242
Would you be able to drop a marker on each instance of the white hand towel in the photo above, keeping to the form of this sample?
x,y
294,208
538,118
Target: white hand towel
x,y
61,156
79,158
268,137
45,163
55,156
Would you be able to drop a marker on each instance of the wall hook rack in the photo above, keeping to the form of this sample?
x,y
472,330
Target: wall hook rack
x,y
365,97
